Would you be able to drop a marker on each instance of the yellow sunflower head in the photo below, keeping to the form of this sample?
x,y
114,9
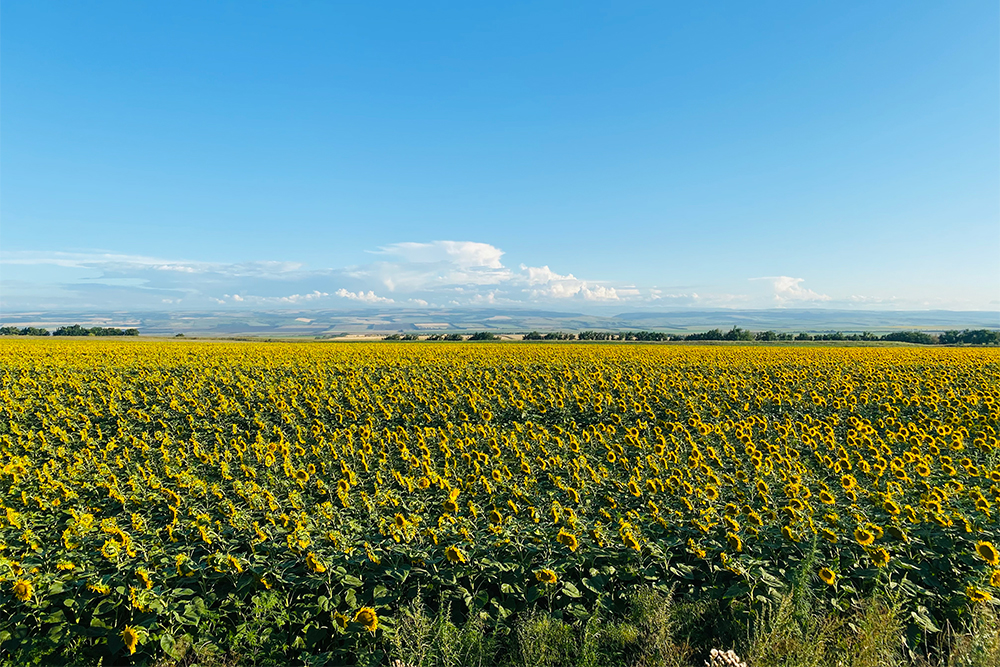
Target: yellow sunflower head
x,y
880,557
367,617
546,576
131,638
314,563
863,536
977,595
454,555
988,553
568,539
828,576
23,590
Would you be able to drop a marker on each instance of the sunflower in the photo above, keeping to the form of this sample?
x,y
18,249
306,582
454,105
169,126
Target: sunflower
x,y
496,517
787,533
828,535
826,497
995,579
977,595
23,590
828,576
314,564
988,553
400,521
367,617
130,637
144,577
630,541
450,506
454,555
546,576
734,542
863,536
880,557
568,539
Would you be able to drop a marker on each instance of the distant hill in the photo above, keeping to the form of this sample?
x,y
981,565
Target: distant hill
x,y
326,323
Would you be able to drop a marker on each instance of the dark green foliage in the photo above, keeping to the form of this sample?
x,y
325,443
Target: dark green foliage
x,y
26,331
77,330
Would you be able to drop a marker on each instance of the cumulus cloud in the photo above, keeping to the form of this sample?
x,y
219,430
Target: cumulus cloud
x,y
275,300
543,282
464,254
413,267
407,274
787,289
366,297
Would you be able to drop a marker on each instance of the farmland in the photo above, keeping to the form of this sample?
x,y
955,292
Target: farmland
x,y
159,495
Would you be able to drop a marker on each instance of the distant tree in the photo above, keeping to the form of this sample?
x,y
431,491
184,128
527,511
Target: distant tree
x,y
34,331
803,336
713,334
765,336
483,335
910,337
131,332
737,333
10,331
970,337
595,335
533,335
392,337
559,335
74,330
453,337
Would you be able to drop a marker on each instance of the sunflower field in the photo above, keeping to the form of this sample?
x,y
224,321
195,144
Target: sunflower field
x,y
151,493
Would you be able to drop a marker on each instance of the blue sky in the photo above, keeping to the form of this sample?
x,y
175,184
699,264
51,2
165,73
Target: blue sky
x,y
567,155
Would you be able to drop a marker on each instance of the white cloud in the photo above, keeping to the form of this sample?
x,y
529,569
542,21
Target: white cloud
x,y
787,289
121,263
275,300
464,254
366,297
546,283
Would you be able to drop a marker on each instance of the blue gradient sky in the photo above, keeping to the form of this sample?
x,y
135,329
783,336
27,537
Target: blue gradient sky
x,y
572,155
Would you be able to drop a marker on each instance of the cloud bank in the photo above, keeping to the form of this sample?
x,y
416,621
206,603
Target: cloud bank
x,y
406,274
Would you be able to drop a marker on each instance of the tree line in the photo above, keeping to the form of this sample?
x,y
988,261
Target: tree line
x,y
74,330
965,337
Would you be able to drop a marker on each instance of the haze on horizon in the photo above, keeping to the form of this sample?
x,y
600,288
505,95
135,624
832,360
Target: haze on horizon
x,y
571,156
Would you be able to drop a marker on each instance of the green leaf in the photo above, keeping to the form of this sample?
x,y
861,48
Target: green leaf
x,y
571,590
